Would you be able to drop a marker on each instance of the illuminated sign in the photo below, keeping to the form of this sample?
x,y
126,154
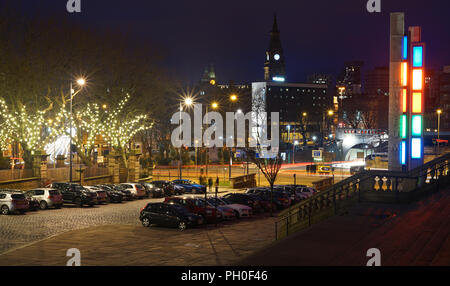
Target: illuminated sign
x,y
278,78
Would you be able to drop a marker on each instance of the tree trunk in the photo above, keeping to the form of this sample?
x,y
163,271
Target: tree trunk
x,y
27,158
271,199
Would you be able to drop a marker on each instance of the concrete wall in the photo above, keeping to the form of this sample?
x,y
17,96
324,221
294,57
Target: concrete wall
x,y
21,184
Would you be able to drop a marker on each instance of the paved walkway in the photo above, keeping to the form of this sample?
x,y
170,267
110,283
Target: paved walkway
x,y
114,245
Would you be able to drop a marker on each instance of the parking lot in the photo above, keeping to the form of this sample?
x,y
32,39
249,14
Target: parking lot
x,y
113,235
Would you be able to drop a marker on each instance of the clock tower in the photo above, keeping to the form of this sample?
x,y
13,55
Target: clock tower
x,y
274,68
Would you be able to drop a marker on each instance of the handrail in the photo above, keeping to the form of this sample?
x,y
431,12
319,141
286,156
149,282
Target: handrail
x,y
384,180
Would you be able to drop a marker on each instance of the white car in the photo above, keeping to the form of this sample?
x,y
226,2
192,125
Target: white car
x,y
47,197
12,202
305,192
137,190
239,210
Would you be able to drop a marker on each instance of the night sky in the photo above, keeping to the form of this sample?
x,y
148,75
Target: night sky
x,y
317,35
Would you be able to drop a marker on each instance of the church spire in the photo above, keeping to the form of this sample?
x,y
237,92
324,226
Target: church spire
x,y
275,24
274,68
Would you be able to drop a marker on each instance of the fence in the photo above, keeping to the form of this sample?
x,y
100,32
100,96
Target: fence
x,y
369,186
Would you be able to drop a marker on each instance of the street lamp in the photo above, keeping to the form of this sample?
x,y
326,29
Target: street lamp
x,y
233,97
293,151
81,82
187,101
439,111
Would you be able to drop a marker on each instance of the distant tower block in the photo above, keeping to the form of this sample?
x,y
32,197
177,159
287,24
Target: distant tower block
x,y
395,89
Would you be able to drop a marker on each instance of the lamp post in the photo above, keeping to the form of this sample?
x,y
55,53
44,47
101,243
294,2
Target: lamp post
x,y
188,101
81,82
439,111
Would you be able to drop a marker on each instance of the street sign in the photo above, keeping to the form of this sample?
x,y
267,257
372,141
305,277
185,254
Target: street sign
x,y
317,153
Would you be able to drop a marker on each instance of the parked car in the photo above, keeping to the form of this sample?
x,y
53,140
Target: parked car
x,y
239,209
226,212
305,192
166,186
127,195
264,202
152,191
33,203
46,197
170,215
244,199
190,187
12,201
102,197
137,190
291,191
75,194
112,195
280,198
197,206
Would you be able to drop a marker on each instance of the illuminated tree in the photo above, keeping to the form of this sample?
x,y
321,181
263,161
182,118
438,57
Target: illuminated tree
x,y
25,126
120,127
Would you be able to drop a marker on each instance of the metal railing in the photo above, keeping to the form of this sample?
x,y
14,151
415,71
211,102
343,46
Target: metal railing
x,y
368,186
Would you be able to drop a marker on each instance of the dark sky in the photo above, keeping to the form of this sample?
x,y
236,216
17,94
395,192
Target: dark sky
x,y
317,35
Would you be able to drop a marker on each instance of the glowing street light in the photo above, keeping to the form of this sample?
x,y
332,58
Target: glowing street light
x,y
81,83
439,112
215,105
233,97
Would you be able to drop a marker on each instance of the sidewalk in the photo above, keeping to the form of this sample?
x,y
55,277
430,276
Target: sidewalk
x,y
115,245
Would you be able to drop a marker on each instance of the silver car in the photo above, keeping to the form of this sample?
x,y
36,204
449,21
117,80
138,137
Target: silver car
x,y
12,202
47,197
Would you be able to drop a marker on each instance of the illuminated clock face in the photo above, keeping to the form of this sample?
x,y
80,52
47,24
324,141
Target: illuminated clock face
x,y
276,57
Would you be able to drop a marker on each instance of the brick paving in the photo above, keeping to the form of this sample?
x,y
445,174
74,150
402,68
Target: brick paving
x,y
132,244
112,235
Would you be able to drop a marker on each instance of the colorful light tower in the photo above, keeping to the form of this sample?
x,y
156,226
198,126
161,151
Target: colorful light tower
x,y
412,102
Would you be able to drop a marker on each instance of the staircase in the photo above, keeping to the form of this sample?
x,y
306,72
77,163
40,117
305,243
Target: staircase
x,y
417,234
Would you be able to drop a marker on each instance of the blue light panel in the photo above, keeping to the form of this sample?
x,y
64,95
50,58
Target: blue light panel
x,y
417,56
403,153
405,47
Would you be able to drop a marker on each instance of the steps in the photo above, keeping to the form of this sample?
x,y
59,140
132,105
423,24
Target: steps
x,y
414,237
416,234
